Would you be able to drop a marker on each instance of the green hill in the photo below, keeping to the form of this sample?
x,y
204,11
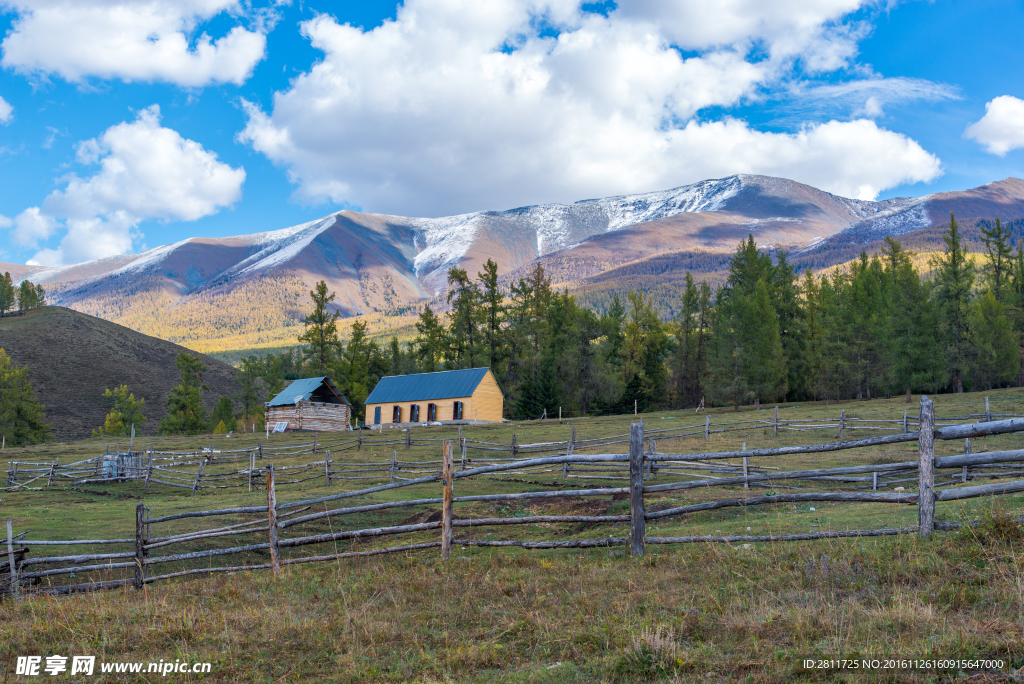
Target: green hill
x,y
72,357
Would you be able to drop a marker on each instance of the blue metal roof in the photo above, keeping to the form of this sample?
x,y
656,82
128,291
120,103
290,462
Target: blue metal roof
x,y
302,390
426,386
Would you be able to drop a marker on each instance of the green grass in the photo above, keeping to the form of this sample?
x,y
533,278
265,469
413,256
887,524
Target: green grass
x,y
734,612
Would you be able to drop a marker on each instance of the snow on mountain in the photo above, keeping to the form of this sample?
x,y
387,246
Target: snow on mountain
x,y
281,245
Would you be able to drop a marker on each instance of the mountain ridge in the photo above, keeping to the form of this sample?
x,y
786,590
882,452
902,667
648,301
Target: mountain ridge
x,y
383,266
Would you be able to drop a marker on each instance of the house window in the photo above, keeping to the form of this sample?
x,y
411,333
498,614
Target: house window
x,y
376,415
431,412
457,411
396,415
414,413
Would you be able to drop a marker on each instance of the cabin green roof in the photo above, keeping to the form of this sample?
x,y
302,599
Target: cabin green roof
x,y
426,386
304,388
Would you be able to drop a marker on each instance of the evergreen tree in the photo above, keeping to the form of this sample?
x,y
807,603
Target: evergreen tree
x,y
464,338
761,342
747,331
26,296
186,413
954,279
992,343
999,253
395,357
321,334
431,341
223,415
913,356
492,304
252,386
646,347
8,295
22,417
126,412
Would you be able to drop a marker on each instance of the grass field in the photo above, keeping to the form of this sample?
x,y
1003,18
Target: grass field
x,y
698,612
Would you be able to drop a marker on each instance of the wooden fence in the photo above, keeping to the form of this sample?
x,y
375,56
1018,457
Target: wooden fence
x,y
139,562
211,468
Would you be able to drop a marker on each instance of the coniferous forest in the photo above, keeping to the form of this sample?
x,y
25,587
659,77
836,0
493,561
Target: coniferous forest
x,y
770,334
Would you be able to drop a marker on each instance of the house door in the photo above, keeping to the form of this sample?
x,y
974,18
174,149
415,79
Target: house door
x,y
457,411
431,412
414,413
396,415
376,416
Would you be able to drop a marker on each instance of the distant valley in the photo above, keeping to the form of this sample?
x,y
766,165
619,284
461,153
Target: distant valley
x,y
250,291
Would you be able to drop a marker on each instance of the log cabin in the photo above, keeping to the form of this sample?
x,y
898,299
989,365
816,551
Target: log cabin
x,y
470,395
314,404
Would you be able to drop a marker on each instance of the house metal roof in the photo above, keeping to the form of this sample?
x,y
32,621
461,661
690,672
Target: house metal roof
x,y
302,390
426,386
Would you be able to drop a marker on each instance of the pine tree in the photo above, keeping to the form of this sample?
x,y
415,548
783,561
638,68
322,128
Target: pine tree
x,y
187,415
992,343
765,360
8,297
22,417
431,341
464,336
321,334
224,415
126,413
999,258
954,279
492,304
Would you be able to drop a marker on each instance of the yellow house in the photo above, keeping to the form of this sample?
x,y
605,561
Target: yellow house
x,y
462,395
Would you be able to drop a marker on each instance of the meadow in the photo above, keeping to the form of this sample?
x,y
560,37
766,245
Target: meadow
x,y
694,612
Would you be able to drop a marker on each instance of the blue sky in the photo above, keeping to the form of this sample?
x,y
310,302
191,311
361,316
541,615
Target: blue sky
x,y
127,126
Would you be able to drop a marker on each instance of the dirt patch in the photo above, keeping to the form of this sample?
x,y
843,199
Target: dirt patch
x,y
621,496
424,517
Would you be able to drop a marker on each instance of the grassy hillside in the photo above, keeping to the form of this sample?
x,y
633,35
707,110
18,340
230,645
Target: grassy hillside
x,y
72,358
697,612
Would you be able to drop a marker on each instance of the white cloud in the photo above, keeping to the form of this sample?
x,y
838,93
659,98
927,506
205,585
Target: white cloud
x,y
6,111
31,226
459,105
1002,127
131,41
146,172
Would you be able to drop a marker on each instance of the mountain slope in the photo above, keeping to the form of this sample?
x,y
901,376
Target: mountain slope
x,y
72,358
252,290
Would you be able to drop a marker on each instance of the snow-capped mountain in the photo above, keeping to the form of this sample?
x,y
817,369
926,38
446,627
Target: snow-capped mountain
x,y
380,263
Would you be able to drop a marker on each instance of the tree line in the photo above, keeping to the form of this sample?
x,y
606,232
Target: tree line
x,y
877,328
23,297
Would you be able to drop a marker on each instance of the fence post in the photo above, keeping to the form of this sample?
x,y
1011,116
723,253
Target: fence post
x,y
394,463
637,524
446,506
569,451
359,439
140,542
408,437
275,557
776,421
746,468
514,449
967,450
842,420
904,421
252,466
53,469
199,474
10,558
327,467
316,436
988,414
707,427
874,481
462,449
926,469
